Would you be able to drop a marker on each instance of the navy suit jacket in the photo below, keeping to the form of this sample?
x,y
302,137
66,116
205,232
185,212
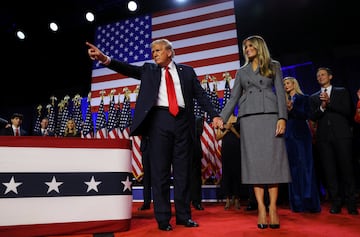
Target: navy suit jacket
x,y
10,132
150,76
297,125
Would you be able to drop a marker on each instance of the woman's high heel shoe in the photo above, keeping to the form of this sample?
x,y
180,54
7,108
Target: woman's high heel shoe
x,y
262,223
262,226
227,204
274,219
274,226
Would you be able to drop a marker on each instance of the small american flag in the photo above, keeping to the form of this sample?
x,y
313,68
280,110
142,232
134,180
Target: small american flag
x,y
112,118
125,117
65,115
51,114
101,127
37,126
227,91
77,113
88,129
61,105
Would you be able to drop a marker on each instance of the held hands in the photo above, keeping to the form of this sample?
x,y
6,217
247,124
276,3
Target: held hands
x,y
218,123
95,53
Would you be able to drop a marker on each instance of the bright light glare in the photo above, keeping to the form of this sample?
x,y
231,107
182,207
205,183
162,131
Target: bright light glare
x,y
132,6
90,17
20,34
54,26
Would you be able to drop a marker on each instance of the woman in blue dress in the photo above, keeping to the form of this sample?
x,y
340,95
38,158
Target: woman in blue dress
x,y
303,191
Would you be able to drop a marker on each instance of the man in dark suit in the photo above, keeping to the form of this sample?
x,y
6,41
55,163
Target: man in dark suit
x,y
332,109
170,132
15,128
44,131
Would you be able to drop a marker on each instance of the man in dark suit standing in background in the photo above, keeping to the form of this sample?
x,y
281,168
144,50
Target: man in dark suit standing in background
x,y
44,131
14,129
332,109
168,122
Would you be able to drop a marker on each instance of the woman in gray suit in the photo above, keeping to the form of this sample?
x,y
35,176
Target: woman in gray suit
x,y
259,93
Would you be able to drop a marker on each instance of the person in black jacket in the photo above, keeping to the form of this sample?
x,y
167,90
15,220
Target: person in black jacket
x,y
332,109
14,129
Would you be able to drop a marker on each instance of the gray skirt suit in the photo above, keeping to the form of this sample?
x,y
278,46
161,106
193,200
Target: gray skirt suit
x,y
261,103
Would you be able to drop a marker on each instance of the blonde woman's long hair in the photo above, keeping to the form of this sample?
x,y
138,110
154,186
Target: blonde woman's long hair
x,y
296,86
263,55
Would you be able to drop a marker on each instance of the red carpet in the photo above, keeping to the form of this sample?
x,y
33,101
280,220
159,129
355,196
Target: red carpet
x,y
215,221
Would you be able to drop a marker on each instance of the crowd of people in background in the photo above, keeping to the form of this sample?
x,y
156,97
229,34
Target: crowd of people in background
x,y
287,137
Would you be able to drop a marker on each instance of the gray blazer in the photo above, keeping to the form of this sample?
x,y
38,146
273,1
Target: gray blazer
x,y
256,94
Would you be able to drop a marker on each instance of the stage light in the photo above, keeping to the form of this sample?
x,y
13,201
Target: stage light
x,y
20,34
53,26
90,17
132,6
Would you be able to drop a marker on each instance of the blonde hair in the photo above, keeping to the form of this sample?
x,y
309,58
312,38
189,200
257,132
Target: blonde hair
x,y
166,43
296,84
263,55
67,129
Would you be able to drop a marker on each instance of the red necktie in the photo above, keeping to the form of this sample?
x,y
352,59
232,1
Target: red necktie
x,y
173,106
17,132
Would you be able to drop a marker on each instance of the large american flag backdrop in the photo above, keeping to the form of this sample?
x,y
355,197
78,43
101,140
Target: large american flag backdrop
x,y
203,36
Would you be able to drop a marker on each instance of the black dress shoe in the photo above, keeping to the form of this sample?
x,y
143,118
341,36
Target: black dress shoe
x,y
353,211
165,227
335,209
198,206
187,223
144,207
274,226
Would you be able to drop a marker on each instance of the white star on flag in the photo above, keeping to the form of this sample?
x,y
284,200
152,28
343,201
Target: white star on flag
x,y
127,184
11,186
92,185
53,185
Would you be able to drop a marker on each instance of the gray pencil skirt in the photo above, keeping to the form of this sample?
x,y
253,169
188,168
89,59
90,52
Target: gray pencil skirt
x,y
263,155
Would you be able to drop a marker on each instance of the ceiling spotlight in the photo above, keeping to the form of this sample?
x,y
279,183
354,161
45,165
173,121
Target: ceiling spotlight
x,y
20,34
132,6
90,17
53,26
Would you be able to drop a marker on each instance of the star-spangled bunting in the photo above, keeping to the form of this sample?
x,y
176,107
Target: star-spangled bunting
x,y
53,185
92,184
64,184
11,186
